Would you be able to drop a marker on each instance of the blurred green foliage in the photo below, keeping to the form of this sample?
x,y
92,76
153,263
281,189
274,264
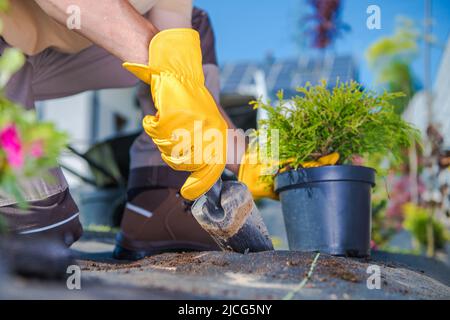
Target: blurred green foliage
x,y
390,58
417,220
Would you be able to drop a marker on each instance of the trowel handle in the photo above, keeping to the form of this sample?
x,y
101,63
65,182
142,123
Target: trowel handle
x,y
214,194
228,213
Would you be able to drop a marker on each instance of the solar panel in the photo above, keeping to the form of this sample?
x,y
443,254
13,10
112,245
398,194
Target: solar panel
x,y
288,74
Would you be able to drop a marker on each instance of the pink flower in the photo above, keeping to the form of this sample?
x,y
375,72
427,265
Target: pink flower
x,y
11,143
357,160
37,149
373,245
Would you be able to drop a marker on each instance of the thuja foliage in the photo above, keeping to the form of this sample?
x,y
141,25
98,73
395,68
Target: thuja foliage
x,y
345,119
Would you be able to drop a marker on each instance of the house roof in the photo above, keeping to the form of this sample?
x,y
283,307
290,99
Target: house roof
x,y
287,74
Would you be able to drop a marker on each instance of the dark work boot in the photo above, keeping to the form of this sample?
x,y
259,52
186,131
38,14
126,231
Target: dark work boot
x,y
157,219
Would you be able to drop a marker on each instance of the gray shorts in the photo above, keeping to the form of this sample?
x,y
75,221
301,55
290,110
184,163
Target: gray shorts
x,y
52,74
58,75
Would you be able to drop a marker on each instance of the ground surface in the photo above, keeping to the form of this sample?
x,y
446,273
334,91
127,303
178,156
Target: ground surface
x,y
217,275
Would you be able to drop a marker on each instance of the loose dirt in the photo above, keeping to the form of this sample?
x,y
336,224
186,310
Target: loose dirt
x,y
227,275
271,273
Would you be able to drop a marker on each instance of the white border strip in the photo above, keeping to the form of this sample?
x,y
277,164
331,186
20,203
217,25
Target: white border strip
x,y
51,226
139,210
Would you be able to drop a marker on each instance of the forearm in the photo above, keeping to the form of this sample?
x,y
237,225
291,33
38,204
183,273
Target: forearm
x,y
111,24
236,145
236,140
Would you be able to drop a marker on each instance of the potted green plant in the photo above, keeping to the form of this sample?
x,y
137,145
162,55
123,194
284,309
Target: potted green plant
x,y
327,208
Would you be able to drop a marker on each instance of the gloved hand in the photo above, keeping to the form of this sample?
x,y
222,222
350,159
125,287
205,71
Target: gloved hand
x,y
327,160
250,174
186,109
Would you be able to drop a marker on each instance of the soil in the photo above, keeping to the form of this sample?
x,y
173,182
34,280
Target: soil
x,y
195,263
227,275
338,269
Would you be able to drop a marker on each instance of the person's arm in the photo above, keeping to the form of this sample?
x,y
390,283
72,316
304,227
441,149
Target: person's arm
x,y
111,24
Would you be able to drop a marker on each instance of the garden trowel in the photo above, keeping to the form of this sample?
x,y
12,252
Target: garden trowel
x,y
229,214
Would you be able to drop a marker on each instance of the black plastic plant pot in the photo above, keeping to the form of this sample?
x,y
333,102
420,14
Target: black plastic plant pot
x,y
328,209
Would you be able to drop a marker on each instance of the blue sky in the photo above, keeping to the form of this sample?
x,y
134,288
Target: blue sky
x,y
248,29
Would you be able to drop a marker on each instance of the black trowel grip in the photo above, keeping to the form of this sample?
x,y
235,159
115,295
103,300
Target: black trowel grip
x,y
231,217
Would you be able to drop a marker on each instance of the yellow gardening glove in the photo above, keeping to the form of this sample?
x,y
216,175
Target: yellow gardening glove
x,y
186,110
250,174
328,160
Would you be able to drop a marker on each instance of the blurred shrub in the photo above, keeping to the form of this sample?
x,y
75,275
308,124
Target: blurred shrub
x,y
417,220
